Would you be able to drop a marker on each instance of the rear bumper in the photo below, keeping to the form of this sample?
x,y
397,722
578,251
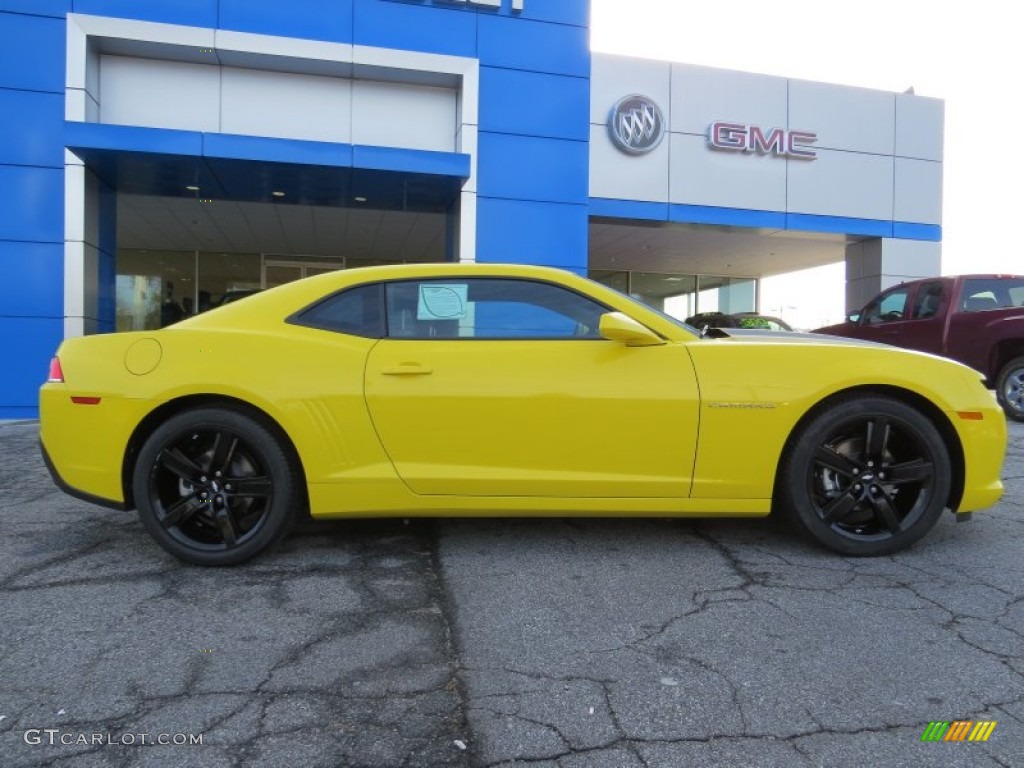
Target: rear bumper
x,y
71,491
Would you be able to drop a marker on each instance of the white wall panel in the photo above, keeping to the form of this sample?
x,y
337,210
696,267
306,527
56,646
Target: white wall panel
x,y
466,140
159,94
855,119
910,259
701,95
918,191
613,77
876,264
919,127
846,184
700,176
283,105
397,115
616,175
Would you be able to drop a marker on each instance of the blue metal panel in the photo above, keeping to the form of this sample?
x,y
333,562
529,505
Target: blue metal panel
x,y
58,8
26,346
130,138
311,19
276,150
628,209
910,231
30,279
525,232
194,13
16,412
32,201
812,223
433,29
513,101
738,217
36,137
412,160
528,168
535,46
106,299
33,52
562,12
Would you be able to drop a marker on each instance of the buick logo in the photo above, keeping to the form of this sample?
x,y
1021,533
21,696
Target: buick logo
x,y
636,125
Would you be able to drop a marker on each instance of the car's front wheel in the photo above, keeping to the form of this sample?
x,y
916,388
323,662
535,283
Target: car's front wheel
x,y
214,487
1010,388
867,475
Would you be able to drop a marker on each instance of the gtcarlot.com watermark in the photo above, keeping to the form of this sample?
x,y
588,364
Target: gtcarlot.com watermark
x,y
55,737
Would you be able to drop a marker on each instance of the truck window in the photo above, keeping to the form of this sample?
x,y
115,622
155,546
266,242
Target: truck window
x,y
886,308
927,300
985,293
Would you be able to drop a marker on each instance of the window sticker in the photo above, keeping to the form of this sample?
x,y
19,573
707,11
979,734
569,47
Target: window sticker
x,y
442,301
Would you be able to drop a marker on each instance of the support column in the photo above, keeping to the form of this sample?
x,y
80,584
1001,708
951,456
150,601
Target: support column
x,y
876,264
90,232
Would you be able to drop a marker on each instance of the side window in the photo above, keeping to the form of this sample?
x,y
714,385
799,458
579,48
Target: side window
x,y
357,312
927,300
992,293
489,308
886,308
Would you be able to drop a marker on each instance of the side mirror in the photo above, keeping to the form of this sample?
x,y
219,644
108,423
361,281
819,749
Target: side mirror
x,y
616,326
853,317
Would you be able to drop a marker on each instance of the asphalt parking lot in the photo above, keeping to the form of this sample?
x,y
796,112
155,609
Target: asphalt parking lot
x,y
565,643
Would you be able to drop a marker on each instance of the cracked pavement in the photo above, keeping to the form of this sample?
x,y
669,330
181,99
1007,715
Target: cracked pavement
x,y
531,642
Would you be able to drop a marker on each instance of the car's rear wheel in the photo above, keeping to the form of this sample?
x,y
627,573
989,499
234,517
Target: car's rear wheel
x,y
1010,388
214,487
867,475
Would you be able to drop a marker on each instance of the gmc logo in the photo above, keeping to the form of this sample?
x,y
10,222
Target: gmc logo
x,y
737,137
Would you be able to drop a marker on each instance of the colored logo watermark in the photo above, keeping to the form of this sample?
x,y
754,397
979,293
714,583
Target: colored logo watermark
x,y
958,730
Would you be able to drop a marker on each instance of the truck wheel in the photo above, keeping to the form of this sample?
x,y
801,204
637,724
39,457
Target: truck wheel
x,y
867,476
1010,388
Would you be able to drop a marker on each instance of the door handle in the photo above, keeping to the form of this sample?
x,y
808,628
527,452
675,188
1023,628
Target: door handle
x,y
407,369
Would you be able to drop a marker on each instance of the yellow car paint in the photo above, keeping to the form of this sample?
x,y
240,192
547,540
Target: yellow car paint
x,y
691,426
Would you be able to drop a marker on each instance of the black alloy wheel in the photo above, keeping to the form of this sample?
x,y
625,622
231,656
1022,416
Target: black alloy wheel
x,y
214,487
867,476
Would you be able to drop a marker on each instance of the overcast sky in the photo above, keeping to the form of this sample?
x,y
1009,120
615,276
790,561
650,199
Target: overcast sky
x,y
969,54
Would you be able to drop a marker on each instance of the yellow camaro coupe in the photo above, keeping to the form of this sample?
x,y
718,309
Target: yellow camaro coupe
x,y
470,390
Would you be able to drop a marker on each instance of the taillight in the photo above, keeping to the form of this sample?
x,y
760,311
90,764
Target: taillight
x,y
56,374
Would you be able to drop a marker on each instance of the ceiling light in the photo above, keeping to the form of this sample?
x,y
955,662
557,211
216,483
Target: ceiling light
x,y
277,193
192,188
359,199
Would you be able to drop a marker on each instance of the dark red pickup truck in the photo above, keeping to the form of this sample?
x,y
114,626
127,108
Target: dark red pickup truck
x,y
975,319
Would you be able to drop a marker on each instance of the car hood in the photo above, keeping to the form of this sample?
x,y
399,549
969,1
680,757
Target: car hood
x,y
793,337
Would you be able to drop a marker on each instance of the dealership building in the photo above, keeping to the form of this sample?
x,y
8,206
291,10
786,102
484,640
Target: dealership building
x,y
161,157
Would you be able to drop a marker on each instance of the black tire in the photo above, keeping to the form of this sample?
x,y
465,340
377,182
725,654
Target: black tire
x,y
866,476
214,487
1010,388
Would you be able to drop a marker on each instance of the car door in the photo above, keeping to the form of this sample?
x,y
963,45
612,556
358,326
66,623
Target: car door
x,y
503,387
882,320
924,326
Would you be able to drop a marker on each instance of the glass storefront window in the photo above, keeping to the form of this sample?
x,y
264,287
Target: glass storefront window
x,y
727,294
224,277
154,288
617,280
683,296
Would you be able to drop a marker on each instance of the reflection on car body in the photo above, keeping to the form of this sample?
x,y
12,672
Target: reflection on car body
x,y
738,320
